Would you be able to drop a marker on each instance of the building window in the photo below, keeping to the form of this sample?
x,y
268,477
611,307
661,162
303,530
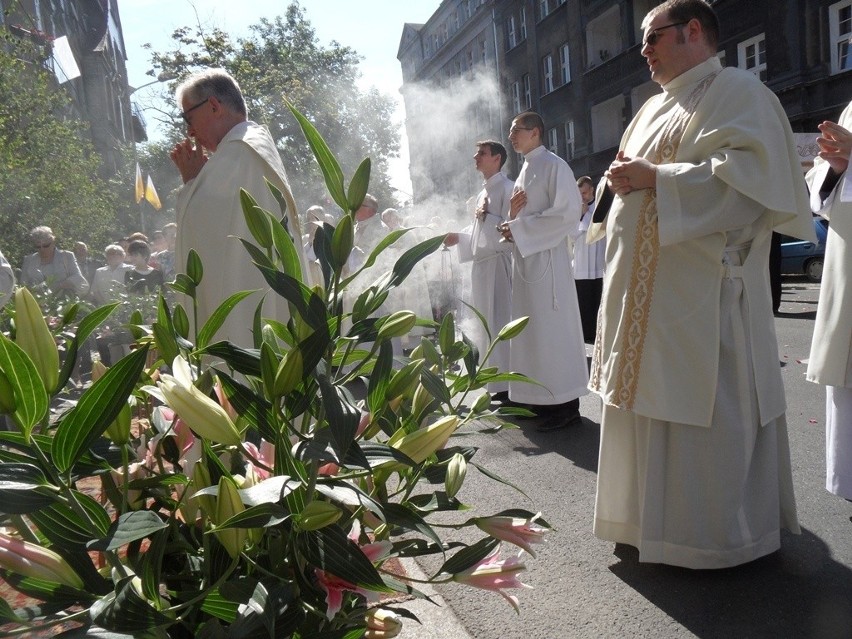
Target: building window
x,y
840,25
543,9
523,24
527,91
607,123
569,140
516,97
603,37
511,36
547,74
564,64
751,55
552,141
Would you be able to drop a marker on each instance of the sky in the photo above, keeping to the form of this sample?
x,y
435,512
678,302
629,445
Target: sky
x,y
373,28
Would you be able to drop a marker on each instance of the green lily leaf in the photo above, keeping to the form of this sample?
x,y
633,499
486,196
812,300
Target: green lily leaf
x,y
286,249
166,343
407,519
194,267
260,516
468,557
96,410
350,496
324,157
214,323
408,260
331,550
57,594
126,610
184,284
380,378
496,477
24,489
216,605
65,528
435,385
241,360
7,614
359,185
447,333
129,527
342,242
87,325
31,400
256,219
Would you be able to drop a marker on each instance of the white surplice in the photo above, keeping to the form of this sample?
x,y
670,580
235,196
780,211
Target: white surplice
x,y
550,349
210,219
831,350
491,271
694,466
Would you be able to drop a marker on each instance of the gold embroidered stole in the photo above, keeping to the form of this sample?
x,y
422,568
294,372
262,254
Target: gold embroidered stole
x,y
640,293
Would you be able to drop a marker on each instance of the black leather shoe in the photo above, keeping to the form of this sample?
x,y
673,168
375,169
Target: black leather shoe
x,y
557,422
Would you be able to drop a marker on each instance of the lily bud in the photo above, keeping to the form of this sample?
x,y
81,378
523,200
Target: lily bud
x,y
318,514
289,372
422,443
228,504
30,560
515,530
200,481
421,400
201,413
35,338
119,430
456,471
382,624
396,325
8,403
404,378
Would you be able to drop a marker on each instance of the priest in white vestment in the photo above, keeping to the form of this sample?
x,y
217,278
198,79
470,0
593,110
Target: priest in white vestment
x,y
694,466
545,206
831,351
229,152
490,259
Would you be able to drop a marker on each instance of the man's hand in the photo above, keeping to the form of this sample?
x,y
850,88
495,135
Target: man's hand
x,y
505,231
835,145
626,175
518,201
482,211
189,159
452,239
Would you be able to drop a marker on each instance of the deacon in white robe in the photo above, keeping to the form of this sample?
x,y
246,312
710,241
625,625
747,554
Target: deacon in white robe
x,y
210,218
694,467
490,259
589,262
550,349
831,351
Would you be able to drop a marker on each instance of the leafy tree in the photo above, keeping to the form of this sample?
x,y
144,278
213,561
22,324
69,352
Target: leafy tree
x,y
48,168
282,59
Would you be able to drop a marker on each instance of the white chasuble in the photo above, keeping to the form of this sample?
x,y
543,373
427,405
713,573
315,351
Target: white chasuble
x,y
210,220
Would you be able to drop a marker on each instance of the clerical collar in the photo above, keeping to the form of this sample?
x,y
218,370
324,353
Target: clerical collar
x,y
693,75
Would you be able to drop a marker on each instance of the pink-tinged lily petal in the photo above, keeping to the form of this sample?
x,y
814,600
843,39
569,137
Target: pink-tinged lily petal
x,y
334,586
515,530
495,574
265,455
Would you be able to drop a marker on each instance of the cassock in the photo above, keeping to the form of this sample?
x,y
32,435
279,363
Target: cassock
x,y
491,271
588,265
694,466
210,220
550,349
831,350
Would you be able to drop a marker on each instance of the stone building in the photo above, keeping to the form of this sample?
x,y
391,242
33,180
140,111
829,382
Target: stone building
x,y
84,42
578,63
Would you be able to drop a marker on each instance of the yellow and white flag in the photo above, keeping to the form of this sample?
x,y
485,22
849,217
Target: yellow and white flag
x,y
151,195
140,186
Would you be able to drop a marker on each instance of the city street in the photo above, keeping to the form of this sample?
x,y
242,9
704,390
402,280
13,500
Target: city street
x,y
585,587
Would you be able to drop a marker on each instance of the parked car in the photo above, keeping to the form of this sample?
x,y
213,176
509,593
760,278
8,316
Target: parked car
x,y
799,257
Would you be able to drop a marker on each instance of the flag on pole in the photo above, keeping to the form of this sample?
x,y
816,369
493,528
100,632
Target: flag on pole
x,y
140,186
151,195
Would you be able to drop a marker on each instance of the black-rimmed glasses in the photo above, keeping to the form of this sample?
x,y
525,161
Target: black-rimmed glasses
x,y
654,35
184,114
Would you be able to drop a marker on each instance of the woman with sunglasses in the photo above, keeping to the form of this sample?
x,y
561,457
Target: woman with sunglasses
x,y
51,266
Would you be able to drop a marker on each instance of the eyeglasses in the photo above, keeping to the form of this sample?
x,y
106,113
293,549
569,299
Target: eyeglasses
x,y
184,114
654,35
515,129
48,245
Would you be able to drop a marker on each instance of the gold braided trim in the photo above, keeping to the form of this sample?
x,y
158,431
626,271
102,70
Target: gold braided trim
x,y
646,256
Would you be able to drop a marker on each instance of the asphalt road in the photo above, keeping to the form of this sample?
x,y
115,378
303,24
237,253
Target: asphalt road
x,y
584,587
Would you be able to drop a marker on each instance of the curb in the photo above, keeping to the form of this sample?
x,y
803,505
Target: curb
x,y
439,621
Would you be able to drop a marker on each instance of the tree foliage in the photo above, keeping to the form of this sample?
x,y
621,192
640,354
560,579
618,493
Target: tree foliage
x,y
282,59
48,167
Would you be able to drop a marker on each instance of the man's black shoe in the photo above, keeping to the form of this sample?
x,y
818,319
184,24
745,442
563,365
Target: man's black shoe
x,y
557,422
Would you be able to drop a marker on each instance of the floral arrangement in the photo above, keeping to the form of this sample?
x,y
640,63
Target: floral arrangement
x,y
257,497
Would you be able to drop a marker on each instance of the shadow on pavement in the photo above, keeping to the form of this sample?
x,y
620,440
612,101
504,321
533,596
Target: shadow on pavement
x,y
799,591
580,444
